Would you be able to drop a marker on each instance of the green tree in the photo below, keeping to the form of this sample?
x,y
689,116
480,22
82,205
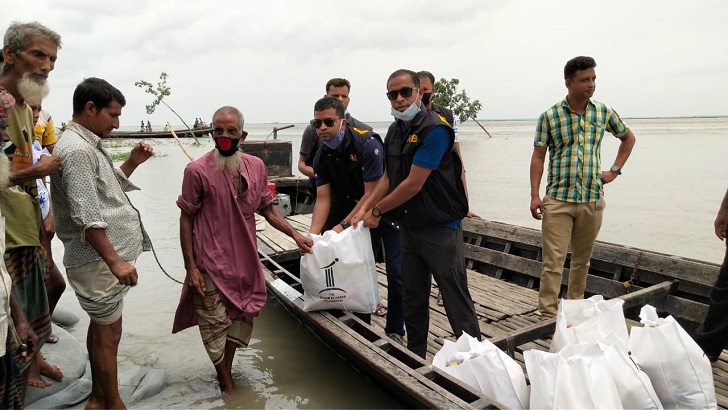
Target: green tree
x,y
446,95
162,90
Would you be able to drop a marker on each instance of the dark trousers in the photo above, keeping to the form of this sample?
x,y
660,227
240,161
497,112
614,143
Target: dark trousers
x,y
438,251
712,335
387,236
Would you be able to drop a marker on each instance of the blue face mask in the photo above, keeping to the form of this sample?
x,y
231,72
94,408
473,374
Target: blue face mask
x,y
408,114
334,143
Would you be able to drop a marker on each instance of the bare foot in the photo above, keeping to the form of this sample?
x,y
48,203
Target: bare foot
x,y
49,370
228,390
92,404
34,375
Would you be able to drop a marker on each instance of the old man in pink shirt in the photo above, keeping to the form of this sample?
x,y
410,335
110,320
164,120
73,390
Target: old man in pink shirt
x,y
225,287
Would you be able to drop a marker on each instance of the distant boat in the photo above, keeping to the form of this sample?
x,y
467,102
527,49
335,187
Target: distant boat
x,y
198,132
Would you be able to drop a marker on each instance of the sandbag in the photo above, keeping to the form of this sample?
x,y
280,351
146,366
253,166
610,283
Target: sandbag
x,y
680,372
341,272
485,367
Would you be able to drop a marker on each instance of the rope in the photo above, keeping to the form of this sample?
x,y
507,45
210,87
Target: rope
x,y
154,252
628,284
191,158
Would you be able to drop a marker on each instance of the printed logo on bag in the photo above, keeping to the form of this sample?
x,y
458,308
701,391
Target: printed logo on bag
x,y
331,293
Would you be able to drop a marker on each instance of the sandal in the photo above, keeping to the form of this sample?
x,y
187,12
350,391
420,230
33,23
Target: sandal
x,y
440,302
52,338
381,310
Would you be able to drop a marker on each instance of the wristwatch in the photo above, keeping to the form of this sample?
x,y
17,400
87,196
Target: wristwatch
x,y
376,212
616,169
344,224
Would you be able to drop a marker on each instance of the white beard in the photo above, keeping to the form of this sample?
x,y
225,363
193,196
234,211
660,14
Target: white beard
x,y
231,163
4,171
33,90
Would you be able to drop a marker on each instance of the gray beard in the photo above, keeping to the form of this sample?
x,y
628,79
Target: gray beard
x,y
33,90
231,163
4,171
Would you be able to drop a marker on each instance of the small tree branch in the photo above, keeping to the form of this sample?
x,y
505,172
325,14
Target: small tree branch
x,y
183,122
481,126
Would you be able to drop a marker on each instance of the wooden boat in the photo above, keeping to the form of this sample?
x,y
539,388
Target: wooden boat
x,y
197,132
503,272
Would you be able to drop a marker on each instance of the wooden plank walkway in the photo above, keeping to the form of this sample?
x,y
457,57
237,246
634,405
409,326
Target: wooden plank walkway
x,y
503,308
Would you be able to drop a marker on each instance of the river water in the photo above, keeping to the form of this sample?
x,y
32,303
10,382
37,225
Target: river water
x,y
665,201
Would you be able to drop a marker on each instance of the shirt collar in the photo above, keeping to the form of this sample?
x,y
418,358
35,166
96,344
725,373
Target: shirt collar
x,y
85,133
565,104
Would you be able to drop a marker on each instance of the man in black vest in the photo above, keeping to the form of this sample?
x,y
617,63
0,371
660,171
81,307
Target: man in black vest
x,y
427,197
350,164
427,83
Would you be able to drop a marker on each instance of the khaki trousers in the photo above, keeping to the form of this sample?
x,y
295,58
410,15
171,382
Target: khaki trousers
x,y
564,223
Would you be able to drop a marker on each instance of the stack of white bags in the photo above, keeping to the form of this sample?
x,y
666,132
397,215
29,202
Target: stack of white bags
x,y
593,363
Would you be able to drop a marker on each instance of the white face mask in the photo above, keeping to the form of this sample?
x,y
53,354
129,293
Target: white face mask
x,y
408,114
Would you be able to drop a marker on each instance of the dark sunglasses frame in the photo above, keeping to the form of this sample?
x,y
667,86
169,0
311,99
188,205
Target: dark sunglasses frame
x,y
328,121
405,92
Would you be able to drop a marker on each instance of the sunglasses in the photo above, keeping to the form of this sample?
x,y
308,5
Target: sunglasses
x,y
405,92
328,121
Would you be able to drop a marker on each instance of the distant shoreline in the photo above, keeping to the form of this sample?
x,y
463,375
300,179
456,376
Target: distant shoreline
x,y
494,120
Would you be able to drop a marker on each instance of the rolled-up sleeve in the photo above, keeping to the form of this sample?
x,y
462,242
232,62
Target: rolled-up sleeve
x,y
126,185
190,200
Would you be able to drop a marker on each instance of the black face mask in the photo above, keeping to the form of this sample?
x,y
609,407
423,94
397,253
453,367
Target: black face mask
x,y
227,146
426,98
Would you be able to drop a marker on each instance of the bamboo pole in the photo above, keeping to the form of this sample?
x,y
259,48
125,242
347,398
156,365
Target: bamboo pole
x,y
179,141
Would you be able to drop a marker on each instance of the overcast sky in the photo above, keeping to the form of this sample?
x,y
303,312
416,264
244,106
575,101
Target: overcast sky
x,y
272,58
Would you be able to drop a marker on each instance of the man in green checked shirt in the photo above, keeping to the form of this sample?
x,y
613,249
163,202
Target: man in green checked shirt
x,y
571,211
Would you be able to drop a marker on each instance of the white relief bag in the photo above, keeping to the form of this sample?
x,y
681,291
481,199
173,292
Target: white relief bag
x,y
588,321
341,272
680,372
486,368
577,377
633,384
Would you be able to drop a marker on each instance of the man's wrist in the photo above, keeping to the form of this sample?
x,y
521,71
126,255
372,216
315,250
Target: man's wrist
x,y
376,212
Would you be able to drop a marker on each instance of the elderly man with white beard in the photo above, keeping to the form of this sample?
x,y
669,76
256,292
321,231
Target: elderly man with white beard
x,y
225,286
13,325
29,55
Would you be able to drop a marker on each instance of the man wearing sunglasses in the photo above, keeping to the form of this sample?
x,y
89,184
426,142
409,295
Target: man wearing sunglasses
x,y
338,88
427,196
225,287
349,165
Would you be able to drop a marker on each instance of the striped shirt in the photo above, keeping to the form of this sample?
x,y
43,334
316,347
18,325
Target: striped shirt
x,y
574,142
